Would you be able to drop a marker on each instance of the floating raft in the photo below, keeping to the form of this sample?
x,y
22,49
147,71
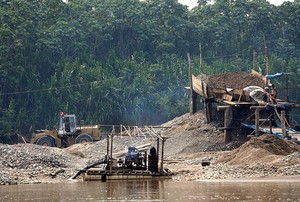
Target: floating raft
x,y
98,174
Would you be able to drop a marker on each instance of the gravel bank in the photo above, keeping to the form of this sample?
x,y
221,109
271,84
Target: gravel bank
x,y
190,141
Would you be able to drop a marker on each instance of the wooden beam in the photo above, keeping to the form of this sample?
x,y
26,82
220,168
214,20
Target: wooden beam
x,y
220,108
257,107
230,128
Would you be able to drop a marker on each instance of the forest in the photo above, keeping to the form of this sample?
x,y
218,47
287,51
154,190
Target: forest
x,y
125,61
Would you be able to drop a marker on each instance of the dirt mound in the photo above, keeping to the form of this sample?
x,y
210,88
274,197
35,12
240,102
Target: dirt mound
x,y
264,149
235,80
190,134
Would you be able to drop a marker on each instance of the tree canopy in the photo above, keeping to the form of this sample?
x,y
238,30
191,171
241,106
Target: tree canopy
x,y
124,61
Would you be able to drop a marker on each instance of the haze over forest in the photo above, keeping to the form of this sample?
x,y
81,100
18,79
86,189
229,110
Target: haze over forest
x,y
124,61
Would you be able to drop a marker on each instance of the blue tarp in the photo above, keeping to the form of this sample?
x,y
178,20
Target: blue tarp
x,y
275,75
289,136
263,130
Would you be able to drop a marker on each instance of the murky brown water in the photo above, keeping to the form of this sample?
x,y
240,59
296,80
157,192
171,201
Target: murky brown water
x,y
152,190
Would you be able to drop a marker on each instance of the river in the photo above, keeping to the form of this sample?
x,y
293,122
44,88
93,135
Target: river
x,y
157,190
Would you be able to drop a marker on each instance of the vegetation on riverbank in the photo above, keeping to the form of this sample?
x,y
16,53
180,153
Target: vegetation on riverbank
x,y
112,61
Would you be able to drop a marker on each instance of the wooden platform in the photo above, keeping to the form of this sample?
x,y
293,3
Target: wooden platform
x,y
276,131
96,174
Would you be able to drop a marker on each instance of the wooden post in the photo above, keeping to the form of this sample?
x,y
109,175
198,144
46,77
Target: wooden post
x,y
194,102
227,122
162,156
283,128
107,148
157,149
257,117
121,130
200,58
266,56
254,60
257,112
111,150
208,108
191,95
270,123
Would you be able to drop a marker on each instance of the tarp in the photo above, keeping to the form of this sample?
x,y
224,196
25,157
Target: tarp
x,y
263,130
275,75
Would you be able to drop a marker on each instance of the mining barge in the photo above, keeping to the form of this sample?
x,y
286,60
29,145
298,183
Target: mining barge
x,y
137,163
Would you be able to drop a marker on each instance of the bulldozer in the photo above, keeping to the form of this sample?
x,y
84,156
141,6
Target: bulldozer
x,y
68,133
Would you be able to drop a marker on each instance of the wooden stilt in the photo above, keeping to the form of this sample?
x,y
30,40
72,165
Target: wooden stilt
x,y
111,148
191,94
194,102
283,128
257,117
270,123
208,108
257,112
162,155
227,122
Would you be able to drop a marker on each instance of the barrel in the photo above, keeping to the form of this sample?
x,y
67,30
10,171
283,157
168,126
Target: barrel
x,y
153,163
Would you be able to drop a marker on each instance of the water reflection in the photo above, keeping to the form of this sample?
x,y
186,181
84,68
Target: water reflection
x,y
155,190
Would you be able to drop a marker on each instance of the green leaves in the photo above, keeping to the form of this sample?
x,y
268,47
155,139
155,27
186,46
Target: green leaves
x,y
124,61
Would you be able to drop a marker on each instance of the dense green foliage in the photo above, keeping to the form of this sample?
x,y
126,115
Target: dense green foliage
x,y
124,61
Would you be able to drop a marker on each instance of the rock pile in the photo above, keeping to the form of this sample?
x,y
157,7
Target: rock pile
x,y
26,163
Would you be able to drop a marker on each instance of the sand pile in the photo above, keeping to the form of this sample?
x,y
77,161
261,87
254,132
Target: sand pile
x,y
266,149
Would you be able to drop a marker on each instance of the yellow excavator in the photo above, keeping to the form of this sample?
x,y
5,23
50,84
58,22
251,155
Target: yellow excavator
x,y
67,133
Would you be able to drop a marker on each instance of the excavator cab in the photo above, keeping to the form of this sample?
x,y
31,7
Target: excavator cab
x,y
67,124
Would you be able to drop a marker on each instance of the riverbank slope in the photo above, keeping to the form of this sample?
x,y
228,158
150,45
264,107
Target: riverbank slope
x,y
189,142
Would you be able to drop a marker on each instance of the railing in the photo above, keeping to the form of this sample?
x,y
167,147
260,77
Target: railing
x,y
133,131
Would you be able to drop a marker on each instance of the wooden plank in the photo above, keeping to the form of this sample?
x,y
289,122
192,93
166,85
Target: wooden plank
x,y
219,108
239,103
197,85
227,97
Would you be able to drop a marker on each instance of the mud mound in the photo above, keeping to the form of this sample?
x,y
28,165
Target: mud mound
x,y
264,149
235,80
